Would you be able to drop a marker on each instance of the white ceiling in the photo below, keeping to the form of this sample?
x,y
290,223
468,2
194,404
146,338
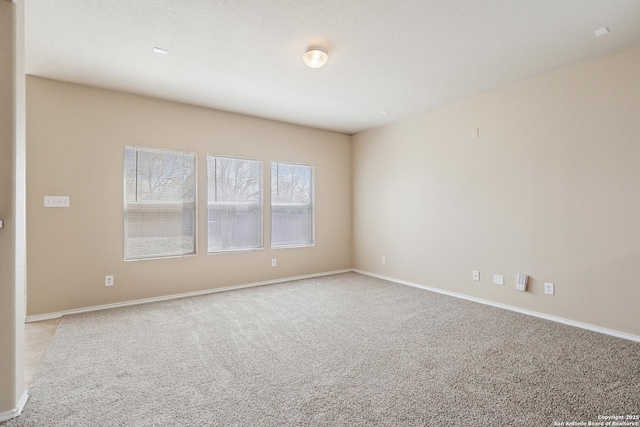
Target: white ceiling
x,y
245,56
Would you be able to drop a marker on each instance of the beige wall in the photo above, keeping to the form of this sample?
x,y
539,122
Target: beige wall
x,y
549,189
76,137
12,238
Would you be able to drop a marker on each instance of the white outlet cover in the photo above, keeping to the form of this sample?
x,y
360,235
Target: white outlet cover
x,y
498,279
476,275
549,288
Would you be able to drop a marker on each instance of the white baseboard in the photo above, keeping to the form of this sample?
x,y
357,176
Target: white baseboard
x,y
58,314
6,416
562,320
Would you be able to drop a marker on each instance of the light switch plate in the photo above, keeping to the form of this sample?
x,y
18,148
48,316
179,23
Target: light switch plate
x,y
56,201
498,279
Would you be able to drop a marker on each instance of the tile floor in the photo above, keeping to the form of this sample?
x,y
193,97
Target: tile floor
x,y
37,336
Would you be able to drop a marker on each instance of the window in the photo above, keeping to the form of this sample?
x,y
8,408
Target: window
x,y
291,205
234,204
159,203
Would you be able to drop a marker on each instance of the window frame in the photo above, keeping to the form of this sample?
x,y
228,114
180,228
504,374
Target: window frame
x,y
194,203
260,204
312,203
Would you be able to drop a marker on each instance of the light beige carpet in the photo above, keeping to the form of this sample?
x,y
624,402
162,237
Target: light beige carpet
x,y
343,350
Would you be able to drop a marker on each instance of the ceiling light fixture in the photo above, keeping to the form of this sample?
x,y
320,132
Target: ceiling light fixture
x,y
601,31
160,51
315,56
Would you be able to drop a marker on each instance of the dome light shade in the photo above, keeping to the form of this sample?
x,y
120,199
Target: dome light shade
x,y
315,56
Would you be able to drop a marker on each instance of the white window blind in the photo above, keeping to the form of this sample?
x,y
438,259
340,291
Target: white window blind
x,y
234,204
292,222
159,203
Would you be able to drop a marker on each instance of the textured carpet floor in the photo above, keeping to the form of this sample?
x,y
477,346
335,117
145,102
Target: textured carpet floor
x,y
343,350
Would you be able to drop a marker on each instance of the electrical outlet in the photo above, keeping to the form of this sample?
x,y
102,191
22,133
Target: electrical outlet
x,y
274,262
383,260
549,288
498,279
108,280
476,276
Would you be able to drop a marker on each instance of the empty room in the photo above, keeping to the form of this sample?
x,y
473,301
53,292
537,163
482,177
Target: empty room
x,y
319,213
